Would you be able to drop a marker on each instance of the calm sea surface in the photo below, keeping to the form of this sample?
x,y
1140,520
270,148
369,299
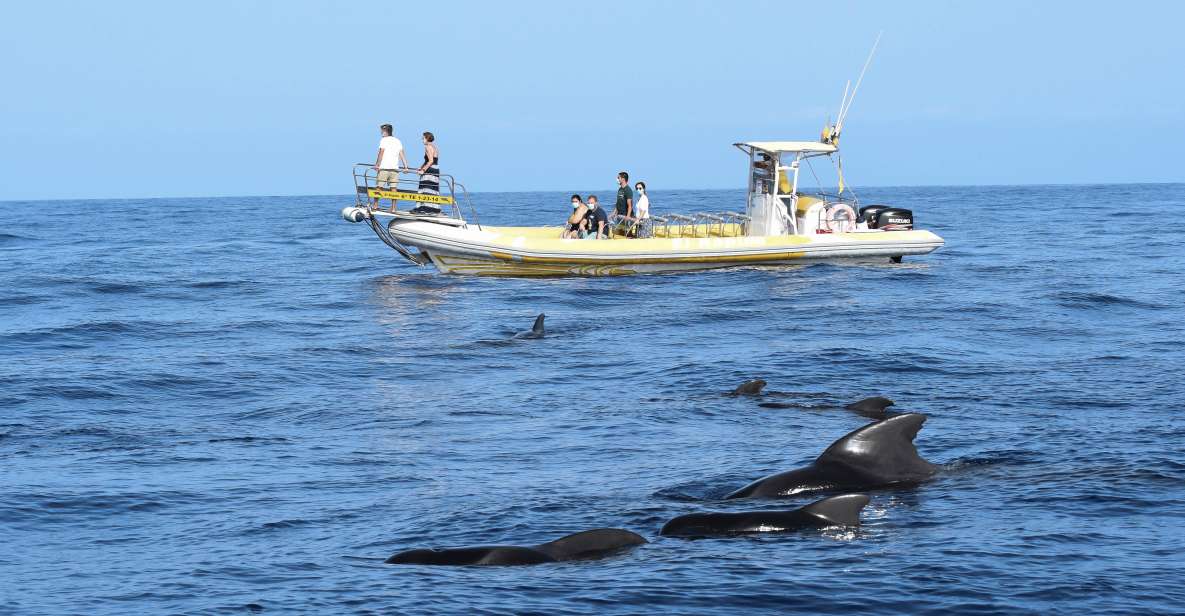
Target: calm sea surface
x,y
244,404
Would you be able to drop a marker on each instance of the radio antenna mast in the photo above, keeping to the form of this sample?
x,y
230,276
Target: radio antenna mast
x,y
843,113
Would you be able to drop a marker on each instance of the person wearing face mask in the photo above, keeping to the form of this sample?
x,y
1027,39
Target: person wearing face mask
x,y
576,220
641,211
642,207
598,221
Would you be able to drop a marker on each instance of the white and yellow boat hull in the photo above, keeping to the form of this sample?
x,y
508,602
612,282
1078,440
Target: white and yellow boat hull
x,y
539,251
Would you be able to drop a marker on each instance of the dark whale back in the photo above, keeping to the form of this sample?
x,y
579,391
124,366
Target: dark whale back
x,y
873,407
591,544
878,454
586,545
479,555
881,452
842,510
749,388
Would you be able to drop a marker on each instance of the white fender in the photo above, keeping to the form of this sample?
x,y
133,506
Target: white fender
x,y
354,214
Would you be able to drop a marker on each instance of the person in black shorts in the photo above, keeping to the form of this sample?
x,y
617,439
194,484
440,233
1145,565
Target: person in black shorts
x,y
577,220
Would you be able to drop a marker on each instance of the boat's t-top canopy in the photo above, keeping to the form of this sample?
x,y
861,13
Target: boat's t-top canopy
x,y
773,165
778,147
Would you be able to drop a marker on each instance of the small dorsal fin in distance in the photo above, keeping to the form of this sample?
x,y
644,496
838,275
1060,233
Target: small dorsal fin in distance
x,y
842,510
883,450
590,543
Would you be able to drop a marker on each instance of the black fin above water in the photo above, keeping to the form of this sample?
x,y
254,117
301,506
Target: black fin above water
x,y
873,407
842,510
749,388
591,544
883,450
878,455
586,545
537,328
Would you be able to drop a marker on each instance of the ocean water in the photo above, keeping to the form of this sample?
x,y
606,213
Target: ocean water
x,y
246,404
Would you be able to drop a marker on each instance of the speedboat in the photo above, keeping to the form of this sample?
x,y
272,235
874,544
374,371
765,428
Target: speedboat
x,y
778,225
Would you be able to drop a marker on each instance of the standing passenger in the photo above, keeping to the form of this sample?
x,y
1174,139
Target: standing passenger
x,y
641,226
430,170
642,208
389,161
624,208
429,175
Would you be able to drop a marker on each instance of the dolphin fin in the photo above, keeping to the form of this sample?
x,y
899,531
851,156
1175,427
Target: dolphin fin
x,y
590,543
842,510
537,328
883,450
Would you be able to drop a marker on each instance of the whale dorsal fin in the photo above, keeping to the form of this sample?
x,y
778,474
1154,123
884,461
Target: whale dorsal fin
x,y
875,404
842,510
537,328
590,543
883,451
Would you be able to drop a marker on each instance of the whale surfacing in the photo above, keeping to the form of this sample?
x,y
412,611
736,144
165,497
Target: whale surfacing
x,y
879,454
842,510
749,388
537,330
586,545
873,408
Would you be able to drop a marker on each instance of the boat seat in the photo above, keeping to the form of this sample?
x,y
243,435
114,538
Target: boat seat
x,y
709,220
739,219
685,223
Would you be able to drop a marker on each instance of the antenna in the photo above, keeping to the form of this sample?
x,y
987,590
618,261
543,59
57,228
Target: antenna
x,y
843,112
843,101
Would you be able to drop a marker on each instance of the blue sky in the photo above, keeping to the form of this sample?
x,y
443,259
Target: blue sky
x,y
120,99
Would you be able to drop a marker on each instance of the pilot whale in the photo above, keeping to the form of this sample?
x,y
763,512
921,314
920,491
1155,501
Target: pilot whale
x,y
879,454
873,408
586,545
536,329
842,510
749,388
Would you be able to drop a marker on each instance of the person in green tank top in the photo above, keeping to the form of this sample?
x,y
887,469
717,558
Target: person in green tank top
x,y
624,209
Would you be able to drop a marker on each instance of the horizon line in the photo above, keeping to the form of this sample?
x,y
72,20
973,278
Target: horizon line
x,y
486,192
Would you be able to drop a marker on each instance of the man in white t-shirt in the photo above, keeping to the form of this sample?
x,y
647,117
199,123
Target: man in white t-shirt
x,y
389,160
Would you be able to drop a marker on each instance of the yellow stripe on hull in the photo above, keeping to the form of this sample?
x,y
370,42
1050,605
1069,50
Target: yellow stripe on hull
x,y
538,251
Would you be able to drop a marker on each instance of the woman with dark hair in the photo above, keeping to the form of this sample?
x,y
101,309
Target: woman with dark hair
x,y
430,170
641,226
642,204
576,221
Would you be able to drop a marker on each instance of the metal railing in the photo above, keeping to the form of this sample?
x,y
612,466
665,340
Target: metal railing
x,y
407,181
698,224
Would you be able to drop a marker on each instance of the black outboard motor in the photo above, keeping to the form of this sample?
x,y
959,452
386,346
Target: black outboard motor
x,y
868,214
894,219
887,218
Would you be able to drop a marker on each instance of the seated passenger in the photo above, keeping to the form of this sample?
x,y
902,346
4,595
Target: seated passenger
x,y
597,219
575,224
